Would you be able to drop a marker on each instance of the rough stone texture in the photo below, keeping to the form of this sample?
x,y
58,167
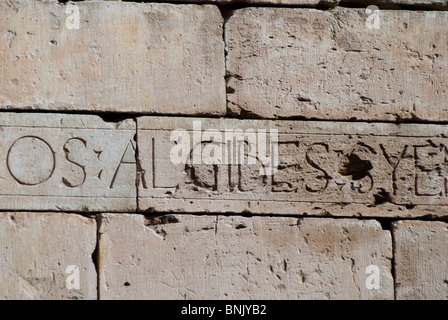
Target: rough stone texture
x,y
66,163
435,4
215,257
408,4
285,62
300,3
421,260
35,251
324,168
125,57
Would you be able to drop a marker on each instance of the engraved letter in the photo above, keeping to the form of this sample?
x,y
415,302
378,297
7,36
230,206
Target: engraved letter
x,y
270,162
429,166
197,140
179,153
314,156
127,158
68,148
240,137
394,161
212,152
30,160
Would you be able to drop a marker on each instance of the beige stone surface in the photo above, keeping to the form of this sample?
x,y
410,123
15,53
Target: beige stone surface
x,y
304,3
285,62
35,251
125,57
421,260
404,4
66,162
216,257
438,4
323,168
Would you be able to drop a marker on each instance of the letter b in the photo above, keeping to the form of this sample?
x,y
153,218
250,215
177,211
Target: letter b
x,y
229,309
255,309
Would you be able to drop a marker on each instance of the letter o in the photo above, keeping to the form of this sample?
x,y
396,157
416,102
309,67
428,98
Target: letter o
x,y
30,160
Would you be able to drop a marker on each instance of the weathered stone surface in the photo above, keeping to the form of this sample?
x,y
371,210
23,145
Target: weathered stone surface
x,y
422,4
437,4
215,257
35,251
125,57
323,168
285,62
421,260
304,3
66,162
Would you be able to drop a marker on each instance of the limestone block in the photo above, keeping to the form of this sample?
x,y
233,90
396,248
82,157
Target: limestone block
x,y
47,256
421,260
66,162
216,257
300,3
334,64
292,167
404,4
120,57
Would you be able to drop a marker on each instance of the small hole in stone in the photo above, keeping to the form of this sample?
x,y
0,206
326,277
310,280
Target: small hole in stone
x,y
127,284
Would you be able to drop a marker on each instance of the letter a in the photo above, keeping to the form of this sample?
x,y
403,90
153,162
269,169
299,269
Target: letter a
x,y
127,158
373,277
72,21
72,281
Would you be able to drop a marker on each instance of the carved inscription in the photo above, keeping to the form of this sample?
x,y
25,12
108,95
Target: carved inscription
x,y
30,160
317,162
314,168
66,162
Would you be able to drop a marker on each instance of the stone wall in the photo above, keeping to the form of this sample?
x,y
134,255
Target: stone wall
x,y
258,149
